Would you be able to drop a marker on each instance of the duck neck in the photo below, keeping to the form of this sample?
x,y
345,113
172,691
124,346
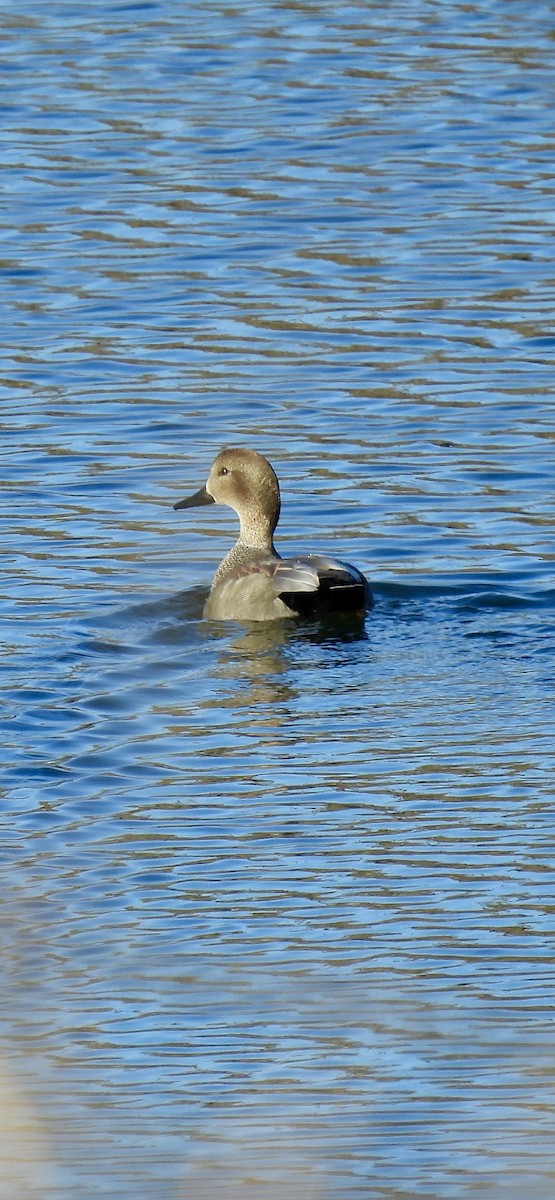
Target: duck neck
x,y
257,535
257,528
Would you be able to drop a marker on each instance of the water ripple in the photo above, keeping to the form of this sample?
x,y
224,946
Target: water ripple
x,y
277,901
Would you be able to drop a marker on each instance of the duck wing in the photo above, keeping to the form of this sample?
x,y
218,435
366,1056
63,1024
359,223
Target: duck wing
x,y
293,575
316,582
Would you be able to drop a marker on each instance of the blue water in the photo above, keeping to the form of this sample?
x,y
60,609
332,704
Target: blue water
x,y
277,900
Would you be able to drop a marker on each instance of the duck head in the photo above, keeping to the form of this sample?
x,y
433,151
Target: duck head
x,y
245,481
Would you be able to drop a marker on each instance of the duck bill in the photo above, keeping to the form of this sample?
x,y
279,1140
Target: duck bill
x,y
196,500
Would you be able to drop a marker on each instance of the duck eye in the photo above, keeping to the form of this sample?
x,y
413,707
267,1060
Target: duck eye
x,y
223,471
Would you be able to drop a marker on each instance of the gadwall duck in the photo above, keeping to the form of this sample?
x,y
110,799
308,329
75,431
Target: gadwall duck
x,y
253,583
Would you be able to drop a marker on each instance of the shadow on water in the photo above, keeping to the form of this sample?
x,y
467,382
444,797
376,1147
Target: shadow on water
x,y
483,591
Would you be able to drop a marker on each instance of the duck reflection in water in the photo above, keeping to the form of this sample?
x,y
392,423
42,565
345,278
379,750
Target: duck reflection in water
x,y
253,583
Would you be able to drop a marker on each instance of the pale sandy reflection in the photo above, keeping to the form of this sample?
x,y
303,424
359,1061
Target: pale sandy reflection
x,y
25,1170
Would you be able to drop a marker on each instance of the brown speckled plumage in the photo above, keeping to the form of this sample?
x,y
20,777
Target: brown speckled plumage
x,y
253,583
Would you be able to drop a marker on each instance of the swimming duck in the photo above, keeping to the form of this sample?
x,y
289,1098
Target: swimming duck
x,y
253,583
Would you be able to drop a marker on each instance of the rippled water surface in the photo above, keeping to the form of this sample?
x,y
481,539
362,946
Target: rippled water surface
x,y
277,901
